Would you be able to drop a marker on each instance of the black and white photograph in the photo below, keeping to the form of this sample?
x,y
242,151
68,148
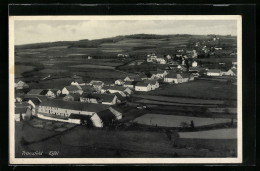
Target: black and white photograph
x,y
125,89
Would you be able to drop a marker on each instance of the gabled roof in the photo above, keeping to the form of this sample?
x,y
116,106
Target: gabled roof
x,y
152,82
90,107
22,104
105,97
44,92
87,88
173,75
35,100
72,88
119,88
185,75
79,116
234,70
87,95
79,81
35,91
106,115
20,110
96,82
54,90
119,96
142,84
129,83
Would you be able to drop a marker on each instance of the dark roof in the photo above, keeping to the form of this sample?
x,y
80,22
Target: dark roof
x,y
87,88
44,92
22,104
72,88
87,95
173,75
20,110
90,107
105,97
234,70
120,88
185,75
106,115
79,116
54,90
35,91
157,72
129,83
40,97
142,84
119,96
152,82
79,81
35,100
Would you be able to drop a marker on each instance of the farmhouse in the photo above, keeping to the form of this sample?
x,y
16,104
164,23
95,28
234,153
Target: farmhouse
x,y
19,84
54,108
231,72
129,84
173,78
131,78
36,92
53,93
72,89
143,86
119,82
107,99
87,89
158,74
154,84
214,72
89,98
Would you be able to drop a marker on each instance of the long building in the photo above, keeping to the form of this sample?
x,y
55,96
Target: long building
x,y
63,109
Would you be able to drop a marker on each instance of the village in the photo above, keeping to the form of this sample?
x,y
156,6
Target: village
x,y
132,101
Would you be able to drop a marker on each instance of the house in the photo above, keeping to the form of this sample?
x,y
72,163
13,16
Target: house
x,y
87,89
158,74
63,109
214,72
119,82
173,78
185,77
36,92
68,97
218,48
161,61
120,98
231,72
132,78
34,102
107,99
18,97
78,82
88,98
168,57
72,89
117,89
21,113
53,93
129,84
143,76
143,86
154,84
19,84
97,85
194,64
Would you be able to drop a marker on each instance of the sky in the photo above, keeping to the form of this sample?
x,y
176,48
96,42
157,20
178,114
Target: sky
x,y
37,31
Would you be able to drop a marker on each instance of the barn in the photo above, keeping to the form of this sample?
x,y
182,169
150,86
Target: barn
x,y
143,86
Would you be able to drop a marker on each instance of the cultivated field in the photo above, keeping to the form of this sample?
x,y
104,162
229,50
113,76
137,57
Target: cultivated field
x,y
176,121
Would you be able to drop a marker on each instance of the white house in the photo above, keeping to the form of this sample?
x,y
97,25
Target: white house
x,y
168,57
143,86
53,93
173,78
119,82
231,72
131,78
19,84
123,91
88,98
154,84
63,109
194,64
218,48
161,61
107,99
214,72
158,74
72,89
129,84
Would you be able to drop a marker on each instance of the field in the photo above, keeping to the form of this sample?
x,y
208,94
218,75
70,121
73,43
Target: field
x,y
211,134
199,89
176,121
96,143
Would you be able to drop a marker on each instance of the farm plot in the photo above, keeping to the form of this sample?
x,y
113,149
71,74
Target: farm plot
x,y
180,100
230,133
19,69
199,89
223,110
92,66
176,121
145,101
